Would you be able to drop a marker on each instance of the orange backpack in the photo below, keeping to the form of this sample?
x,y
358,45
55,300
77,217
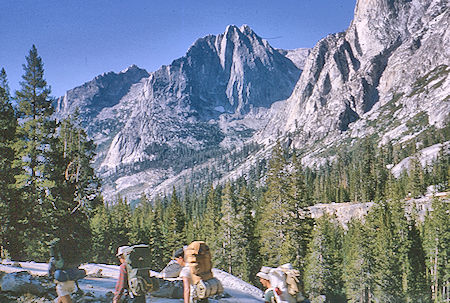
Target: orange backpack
x,y
199,258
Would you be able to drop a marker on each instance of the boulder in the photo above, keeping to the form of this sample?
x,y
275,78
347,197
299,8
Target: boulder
x,y
169,289
21,283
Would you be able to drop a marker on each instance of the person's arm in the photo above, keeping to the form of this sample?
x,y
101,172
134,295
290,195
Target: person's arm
x,y
121,284
51,267
186,289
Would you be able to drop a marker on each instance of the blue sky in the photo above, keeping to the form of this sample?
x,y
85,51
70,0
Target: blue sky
x,y
80,39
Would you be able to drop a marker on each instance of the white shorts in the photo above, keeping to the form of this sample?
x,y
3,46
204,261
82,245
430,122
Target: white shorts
x,y
65,288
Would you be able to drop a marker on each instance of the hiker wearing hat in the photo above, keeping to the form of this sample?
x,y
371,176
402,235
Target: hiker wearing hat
x,y
263,275
122,282
185,274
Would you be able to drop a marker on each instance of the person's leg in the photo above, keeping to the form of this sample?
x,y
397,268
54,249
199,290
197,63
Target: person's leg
x,y
79,291
65,299
64,289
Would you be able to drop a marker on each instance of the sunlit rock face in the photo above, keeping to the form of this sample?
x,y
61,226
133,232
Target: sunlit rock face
x,y
348,77
199,102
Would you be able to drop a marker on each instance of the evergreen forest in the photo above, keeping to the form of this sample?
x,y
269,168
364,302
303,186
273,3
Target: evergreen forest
x,y
48,189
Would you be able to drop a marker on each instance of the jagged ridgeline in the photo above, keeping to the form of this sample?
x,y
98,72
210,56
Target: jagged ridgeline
x,y
206,105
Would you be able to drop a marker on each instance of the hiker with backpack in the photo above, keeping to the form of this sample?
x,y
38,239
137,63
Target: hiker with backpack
x,y
122,282
185,274
282,284
63,267
135,273
198,281
264,278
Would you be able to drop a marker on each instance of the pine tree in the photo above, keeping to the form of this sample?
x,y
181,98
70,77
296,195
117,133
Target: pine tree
x,y
437,251
249,240
75,190
210,223
10,206
324,261
386,256
272,225
141,219
381,175
358,263
229,256
410,253
298,224
120,214
175,224
367,171
416,178
417,288
157,242
102,250
35,131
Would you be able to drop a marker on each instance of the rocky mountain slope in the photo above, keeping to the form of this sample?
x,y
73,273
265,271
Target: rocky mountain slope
x,y
218,110
387,74
151,127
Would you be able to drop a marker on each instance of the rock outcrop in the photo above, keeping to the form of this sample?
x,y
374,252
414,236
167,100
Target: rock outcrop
x,y
390,65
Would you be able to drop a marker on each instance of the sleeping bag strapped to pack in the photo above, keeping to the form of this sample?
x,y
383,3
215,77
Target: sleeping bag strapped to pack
x,y
277,280
138,262
293,282
198,256
286,279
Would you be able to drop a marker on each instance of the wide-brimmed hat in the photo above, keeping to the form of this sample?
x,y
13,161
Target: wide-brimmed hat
x,y
264,273
121,250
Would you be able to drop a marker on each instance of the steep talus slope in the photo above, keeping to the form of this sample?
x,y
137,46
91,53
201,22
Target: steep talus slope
x,y
389,66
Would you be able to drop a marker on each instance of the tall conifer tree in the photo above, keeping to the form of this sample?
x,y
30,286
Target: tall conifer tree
x,y
157,241
324,261
35,131
102,249
210,223
388,273
358,263
175,224
10,207
437,249
229,257
272,225
75,190
249,240
298,224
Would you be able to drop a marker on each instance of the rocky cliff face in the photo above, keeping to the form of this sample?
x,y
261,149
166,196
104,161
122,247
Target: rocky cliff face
x,y
345,212
214,97
104,91
390,65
